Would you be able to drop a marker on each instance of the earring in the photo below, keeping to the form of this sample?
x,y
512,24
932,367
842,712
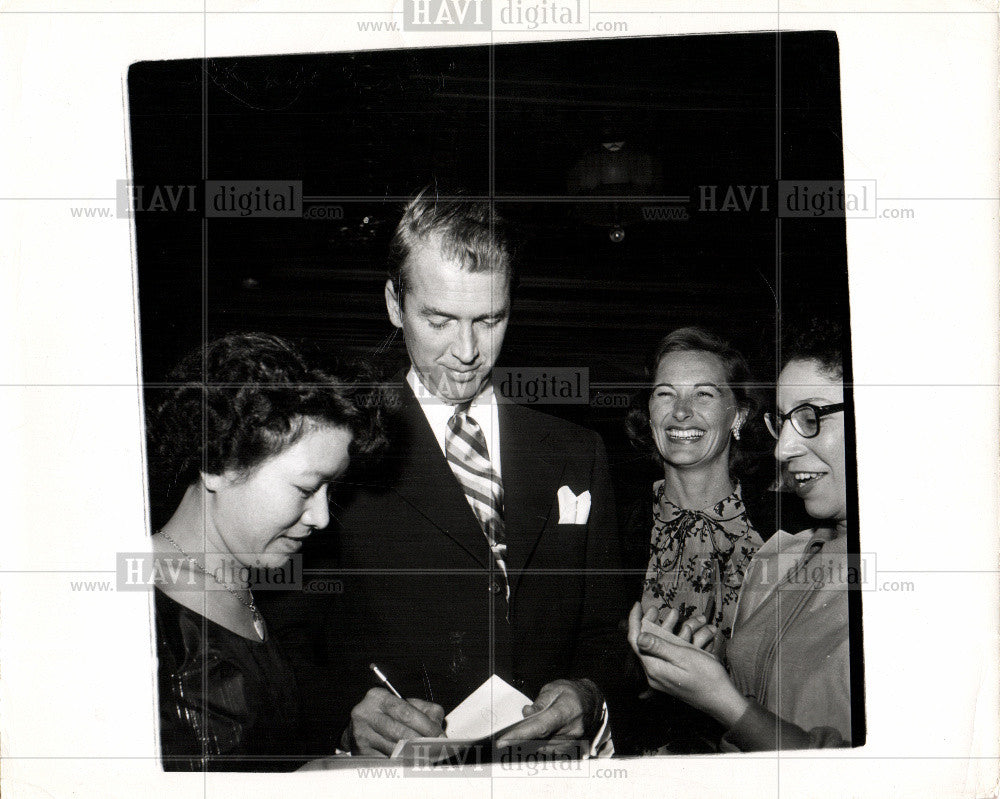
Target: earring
x,y
736,432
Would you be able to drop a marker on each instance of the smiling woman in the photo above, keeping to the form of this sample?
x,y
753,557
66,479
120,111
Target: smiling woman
x,y
698,405
247,442
811,435
783,680
701,537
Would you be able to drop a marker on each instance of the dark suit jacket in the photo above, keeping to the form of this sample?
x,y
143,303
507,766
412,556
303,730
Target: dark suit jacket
x,y
422,596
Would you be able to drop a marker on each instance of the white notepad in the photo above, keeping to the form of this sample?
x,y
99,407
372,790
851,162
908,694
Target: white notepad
x,y
491,708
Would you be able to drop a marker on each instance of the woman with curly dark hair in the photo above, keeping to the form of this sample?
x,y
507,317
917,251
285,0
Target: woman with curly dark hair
x,y
247,443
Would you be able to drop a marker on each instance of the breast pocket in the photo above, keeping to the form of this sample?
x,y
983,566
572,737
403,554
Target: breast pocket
x,y
561,546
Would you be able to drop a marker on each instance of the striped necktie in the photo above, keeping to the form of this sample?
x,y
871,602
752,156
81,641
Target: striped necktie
x,y
468,457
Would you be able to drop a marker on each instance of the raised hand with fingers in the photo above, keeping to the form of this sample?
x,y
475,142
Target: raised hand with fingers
x,y
695,630
676,664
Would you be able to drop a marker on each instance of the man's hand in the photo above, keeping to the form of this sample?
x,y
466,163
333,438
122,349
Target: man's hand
x,y
568,709
683,669
381,720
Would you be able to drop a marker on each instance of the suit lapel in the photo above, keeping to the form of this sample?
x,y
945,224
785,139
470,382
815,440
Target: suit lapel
x,y
427,484
531,470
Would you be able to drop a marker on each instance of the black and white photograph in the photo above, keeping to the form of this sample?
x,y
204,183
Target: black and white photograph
x,y
569,301
515,392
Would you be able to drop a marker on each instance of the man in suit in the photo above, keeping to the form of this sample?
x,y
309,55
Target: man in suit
x,y
462,562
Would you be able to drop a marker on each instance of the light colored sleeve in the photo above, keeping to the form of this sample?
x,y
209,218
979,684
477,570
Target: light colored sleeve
x,y
760,730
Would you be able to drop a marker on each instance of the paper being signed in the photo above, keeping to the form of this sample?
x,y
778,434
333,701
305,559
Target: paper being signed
x,y
491,708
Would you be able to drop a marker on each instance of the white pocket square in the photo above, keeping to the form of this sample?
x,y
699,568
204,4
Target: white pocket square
x,y
573,509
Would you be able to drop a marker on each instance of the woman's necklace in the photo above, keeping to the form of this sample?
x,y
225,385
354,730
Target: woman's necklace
x,y
258,620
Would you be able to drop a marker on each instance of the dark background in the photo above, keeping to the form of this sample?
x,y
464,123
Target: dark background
x,y
524,123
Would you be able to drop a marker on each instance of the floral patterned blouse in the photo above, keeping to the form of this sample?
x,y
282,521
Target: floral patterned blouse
x,y
698,558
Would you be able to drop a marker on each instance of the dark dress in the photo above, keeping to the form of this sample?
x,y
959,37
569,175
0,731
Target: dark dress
x,y
226,703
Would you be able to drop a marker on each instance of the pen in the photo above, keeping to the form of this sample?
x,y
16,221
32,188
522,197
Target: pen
x,y
384,680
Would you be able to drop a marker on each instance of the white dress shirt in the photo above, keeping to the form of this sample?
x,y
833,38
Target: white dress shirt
x,y
484,411
438,412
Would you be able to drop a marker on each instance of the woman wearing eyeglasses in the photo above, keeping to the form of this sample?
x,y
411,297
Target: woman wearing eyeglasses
x,y
784,680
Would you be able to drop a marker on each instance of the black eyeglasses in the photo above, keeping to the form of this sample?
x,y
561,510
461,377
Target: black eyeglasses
x,y
804,418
